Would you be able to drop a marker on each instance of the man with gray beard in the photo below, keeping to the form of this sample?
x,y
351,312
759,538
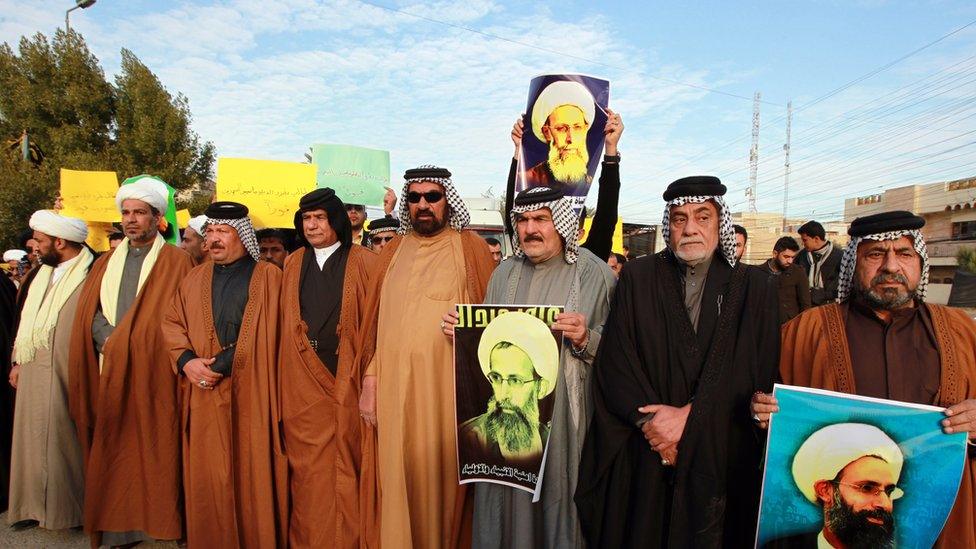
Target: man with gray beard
x,y
881,339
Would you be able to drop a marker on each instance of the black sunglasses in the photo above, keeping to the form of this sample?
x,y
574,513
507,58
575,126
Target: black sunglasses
x,y
431,197
378,239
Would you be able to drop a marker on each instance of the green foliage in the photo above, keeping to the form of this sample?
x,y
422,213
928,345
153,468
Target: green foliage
x,y
966,259
57,91
196,204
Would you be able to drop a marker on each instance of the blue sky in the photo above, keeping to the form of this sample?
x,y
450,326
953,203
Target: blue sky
x,y
265,79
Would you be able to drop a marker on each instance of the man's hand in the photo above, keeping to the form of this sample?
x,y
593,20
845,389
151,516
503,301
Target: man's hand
x,y
763,406
14,375
664,430
612,132
367,400
517,135
389,201
573,327
962,419
199,369
448,321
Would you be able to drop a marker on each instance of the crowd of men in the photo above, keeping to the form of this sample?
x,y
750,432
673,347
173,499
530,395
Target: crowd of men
x,y
269,388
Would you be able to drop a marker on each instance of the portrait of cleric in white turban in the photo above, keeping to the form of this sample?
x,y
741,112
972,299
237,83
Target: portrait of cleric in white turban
x,y
563,142
849,472
506,367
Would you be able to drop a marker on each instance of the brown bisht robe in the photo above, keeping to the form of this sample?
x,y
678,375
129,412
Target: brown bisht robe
x,y
234,469
320,411
815,353
127,417
478,266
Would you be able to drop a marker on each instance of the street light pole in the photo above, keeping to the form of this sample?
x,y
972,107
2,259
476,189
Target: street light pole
x,y
78,4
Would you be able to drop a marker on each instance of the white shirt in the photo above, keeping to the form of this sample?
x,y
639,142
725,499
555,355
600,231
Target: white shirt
x,y
323,254
62,268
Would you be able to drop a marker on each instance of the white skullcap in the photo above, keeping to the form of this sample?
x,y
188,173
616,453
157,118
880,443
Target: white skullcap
x,y
59,226
14,255
826,452
148,189
196,223
557,94
529,334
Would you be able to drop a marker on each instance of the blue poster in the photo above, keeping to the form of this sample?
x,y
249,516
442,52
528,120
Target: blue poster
x,y
849,471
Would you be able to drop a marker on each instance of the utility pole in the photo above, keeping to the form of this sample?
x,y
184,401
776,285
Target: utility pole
x,y
754,153
786,164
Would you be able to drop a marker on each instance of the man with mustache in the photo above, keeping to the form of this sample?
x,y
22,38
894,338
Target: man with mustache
x,y
850,471
671,458
881,339
549,268
221,332
561,117
406,366
123,394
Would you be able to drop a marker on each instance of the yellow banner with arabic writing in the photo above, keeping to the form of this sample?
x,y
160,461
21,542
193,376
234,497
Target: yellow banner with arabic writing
x,y
89,195
270,189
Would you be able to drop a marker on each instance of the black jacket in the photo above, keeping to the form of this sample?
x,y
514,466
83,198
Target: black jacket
x,y
792,289
830,272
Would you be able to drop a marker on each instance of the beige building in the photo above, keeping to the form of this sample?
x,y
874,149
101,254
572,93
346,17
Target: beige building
x,y
949,209
766,228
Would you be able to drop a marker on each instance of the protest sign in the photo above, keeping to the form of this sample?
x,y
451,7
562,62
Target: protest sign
x,y
851,468
89,195
269,188
506,364
562,141
357,175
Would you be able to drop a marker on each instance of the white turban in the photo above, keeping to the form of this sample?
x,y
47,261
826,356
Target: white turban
x,y
148,189
826,452
196,223
529,334
557,94
14,255
59,226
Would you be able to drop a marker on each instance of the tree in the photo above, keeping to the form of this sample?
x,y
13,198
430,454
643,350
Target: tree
x,y
57,91
966,259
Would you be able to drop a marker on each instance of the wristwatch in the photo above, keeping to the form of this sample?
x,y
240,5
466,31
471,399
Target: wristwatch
x,y
615,159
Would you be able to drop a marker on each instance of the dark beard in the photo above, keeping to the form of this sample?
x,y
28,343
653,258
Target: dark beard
x,y
428,226
853,529
889,299
51,259
515,430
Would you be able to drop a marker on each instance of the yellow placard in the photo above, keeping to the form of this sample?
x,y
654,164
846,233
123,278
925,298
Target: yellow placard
x,y
98,235
89,195
269,188
182,218
617,243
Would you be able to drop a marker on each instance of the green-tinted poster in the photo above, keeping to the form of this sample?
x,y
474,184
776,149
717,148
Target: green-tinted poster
x,y
357,175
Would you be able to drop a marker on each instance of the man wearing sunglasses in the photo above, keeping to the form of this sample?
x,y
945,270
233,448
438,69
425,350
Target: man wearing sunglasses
x,y
381,232
549,268
850,471
407,362
357,216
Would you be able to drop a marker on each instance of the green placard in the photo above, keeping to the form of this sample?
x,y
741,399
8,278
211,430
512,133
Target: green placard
x,y
358,175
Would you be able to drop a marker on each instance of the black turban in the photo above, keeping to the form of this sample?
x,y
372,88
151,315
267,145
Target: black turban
x,y
383,224
696,185
537,196
226,210
886,222
425,173
324,199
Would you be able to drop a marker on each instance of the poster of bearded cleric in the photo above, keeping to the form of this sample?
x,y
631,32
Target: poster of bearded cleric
x,y
850,471
562,143
506,363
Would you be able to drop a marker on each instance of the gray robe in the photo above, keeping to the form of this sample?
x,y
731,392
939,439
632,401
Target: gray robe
x,y
504,516
47,475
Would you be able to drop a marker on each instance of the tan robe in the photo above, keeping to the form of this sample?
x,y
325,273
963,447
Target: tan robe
x,y
419,279
127,416
234,469
320,412
47,475
815,354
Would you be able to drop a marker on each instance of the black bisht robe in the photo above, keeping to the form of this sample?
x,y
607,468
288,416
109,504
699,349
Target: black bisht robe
x,y
9,312
651,354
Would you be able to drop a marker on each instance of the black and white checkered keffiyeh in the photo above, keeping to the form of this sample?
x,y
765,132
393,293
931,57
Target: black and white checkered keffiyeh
x,y
848,263
244,230
726,235
459,216
563,217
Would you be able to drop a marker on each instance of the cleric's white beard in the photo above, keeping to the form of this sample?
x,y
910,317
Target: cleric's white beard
x,y
570,168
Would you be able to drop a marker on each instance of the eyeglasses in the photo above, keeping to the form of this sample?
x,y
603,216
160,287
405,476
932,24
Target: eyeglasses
x,y
874,489
354,207
381,239
431,197
513,382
